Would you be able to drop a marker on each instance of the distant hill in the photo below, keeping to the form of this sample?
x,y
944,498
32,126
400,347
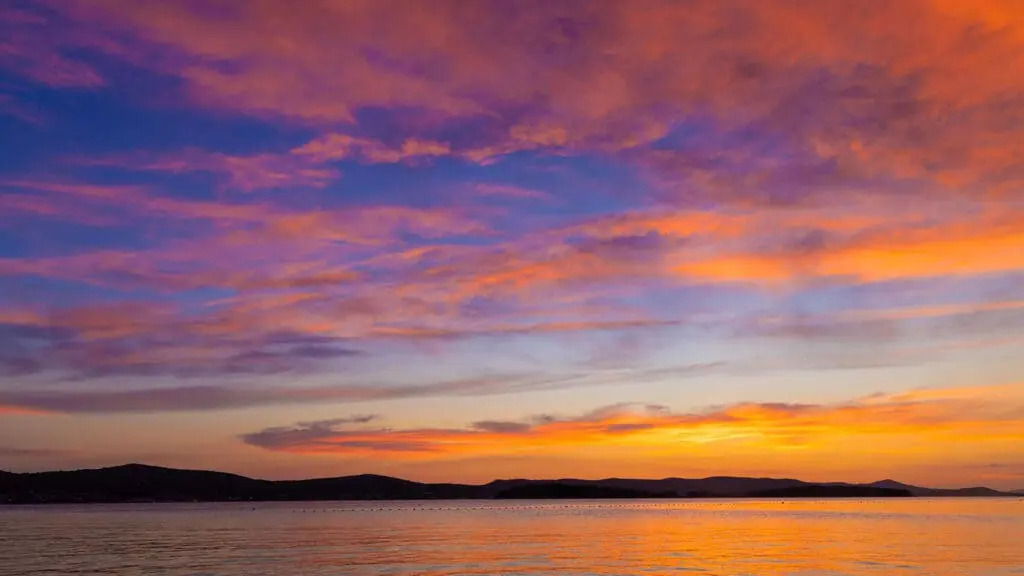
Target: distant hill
x,y
550,490
688,487
831,491
938,492
131,482
143,483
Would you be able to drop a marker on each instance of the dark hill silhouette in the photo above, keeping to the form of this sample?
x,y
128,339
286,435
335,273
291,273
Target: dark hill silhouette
x,y
938,492
887,483
142,483
130,482
369,487
830,491
550,490
715,485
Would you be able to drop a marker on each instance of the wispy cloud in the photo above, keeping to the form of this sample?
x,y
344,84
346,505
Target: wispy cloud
x,y
969,415
510,191
310,165
351,275
33,46
14,452
11,106
77,398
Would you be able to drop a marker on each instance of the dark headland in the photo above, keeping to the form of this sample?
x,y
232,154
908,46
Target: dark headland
x,y
142,483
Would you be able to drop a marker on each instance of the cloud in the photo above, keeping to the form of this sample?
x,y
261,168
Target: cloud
x,y
233,245
769,248
972,247
13,452
304,431
917,325
969,415
800,114
510,191
359,275
770,151
258,335
335,146
501,427
1003,471
20,411
123,204
34,45
144,340
118,397
238,173
218,397
10,106
311,165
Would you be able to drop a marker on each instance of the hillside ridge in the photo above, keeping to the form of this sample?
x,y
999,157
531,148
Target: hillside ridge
x,y
137,482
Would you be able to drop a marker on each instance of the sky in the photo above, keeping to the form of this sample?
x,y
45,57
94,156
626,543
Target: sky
x,y
457,241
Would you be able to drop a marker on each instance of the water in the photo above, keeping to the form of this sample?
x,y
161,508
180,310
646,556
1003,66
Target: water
x,y
584,538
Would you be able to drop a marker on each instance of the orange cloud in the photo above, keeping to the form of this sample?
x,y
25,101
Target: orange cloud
x,y
931,418
20,411
978,246
770,247
871,242
332,146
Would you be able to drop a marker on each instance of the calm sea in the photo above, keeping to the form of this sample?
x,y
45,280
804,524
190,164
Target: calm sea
x,y
586,538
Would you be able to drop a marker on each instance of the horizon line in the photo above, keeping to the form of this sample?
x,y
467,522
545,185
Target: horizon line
x,y
512,479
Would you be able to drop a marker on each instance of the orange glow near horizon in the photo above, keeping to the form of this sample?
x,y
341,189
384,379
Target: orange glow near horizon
x,y
911,426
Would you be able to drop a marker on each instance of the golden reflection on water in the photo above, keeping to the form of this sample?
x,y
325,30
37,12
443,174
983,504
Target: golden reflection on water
x,y
764,538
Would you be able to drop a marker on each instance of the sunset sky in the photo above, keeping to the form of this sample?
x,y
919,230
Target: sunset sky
x,y
461,240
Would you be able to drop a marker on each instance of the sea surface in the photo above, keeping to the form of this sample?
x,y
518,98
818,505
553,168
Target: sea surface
x,y
931,537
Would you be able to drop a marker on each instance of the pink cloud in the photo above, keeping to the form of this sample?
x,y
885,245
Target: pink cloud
x,y
510,191
32,46
10,106
307,166
866,97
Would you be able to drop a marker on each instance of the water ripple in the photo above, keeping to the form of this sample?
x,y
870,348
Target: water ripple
x,y
584,538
